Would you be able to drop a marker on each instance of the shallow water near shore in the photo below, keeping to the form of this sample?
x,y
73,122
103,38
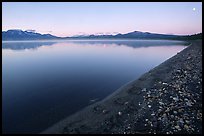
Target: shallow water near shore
x,y
45,81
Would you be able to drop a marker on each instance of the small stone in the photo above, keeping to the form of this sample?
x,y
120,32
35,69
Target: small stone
x,y
181,121
178,127
188,104
175,112
149,106
175,99
159,110
161,103
186,127
146,119
168,110
119,113
152,114
144,90
178,71
188,122
105,111
180,110
160,107
186,99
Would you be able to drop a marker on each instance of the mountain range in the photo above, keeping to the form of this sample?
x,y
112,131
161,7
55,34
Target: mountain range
x,y
27,35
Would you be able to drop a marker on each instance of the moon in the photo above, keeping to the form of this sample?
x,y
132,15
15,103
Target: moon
x,y
194,9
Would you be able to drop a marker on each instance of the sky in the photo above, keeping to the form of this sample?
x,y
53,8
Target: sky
x,y
75,18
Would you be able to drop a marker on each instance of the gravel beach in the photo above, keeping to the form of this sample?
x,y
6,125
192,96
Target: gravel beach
x,y
165,100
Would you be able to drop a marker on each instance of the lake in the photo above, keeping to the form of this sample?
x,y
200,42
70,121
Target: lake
x,y
46,81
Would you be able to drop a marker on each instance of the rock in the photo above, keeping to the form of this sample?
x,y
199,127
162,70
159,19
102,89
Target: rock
x,y
119,113
167,110
186,127
175,99
181,121
178,71
161,103
188,122
180,110
152,114
175,112
144,90
178,127
188,58
188,104
159,110
105,111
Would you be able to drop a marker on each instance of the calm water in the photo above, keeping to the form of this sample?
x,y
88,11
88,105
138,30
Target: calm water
x,y
45,81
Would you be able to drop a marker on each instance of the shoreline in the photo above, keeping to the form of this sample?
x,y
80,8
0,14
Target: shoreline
x,y
133,108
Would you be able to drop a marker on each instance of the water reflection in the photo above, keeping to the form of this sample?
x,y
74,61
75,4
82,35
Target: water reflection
x,y
25,45
131,43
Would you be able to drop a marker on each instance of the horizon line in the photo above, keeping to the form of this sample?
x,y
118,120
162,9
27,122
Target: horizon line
x,y
103,33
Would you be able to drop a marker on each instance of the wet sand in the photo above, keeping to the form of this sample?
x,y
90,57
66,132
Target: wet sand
x,y
165,100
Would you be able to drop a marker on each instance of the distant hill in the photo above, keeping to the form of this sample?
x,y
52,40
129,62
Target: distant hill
x,y
192,37
26,35
131,35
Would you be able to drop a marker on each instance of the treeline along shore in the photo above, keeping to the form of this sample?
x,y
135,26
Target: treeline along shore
x,y
165,100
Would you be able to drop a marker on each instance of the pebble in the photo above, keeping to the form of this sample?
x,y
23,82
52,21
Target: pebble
x,y
144,90
152,114
119,113
175,112
188,104
161,103
105,111
188,122
186,127
178,127
175,99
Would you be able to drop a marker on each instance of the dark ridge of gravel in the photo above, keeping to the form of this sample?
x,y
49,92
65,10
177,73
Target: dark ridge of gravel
x,y
165,100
